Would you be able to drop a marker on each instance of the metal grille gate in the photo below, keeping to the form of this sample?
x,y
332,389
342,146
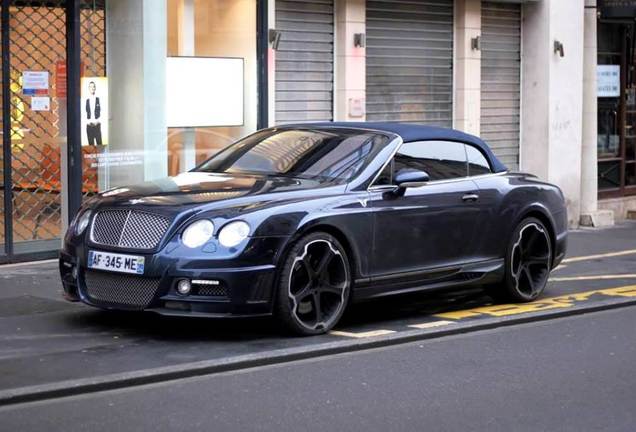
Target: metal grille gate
x,y
409,61
500,79
304,61
34,36
37,43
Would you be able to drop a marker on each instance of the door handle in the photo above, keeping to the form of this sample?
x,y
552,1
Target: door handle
x,y
470,197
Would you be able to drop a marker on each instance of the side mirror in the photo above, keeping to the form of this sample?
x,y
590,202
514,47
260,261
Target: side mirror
x,y
409,177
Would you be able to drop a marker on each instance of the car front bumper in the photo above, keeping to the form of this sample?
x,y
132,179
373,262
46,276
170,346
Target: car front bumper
x,y
238,287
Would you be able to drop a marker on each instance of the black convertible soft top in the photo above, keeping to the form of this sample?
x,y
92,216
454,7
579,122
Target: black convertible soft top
x,y
413,132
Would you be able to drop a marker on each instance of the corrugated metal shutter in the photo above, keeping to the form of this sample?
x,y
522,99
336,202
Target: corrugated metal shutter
x,y
500,79
409,61
304,61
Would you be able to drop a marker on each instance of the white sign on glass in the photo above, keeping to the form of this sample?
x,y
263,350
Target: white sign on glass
x,y
40,103
204,91
35,82
608,81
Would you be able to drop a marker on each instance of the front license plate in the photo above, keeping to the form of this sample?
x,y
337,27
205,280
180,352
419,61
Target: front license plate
x,y
116,262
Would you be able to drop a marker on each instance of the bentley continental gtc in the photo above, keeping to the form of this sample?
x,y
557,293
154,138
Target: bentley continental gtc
x,y
299,221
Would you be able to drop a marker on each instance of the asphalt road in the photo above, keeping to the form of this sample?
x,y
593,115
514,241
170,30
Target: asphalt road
x,y
576,373
44,340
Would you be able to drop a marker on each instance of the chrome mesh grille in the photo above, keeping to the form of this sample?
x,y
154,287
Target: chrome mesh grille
x,y
120,290
128,229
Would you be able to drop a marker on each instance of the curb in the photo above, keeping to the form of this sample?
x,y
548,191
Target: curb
x,y
281,356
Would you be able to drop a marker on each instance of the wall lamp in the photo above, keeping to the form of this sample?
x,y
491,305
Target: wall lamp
x,y
558,48
475,43
359,40
274,38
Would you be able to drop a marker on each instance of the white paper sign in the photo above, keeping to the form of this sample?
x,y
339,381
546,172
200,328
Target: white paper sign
x,y
35,82
608,81
40,103
204,91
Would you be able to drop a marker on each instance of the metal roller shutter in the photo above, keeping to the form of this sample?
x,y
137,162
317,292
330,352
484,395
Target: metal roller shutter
x,y
409,61
304,61
500,79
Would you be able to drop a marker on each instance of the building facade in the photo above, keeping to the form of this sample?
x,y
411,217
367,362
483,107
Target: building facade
x,y
101,93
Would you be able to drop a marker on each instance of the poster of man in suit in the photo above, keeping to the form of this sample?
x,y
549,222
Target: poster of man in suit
x,y
94,111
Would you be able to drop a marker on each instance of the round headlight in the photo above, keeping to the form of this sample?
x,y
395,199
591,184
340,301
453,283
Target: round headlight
x,y
234,233
82,222
197,233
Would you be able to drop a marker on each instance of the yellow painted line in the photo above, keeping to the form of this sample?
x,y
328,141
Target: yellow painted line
x,y
361,335
592,277
432,324
598,256
565,301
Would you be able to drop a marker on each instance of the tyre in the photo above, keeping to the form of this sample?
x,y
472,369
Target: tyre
x,y
528,263
313,285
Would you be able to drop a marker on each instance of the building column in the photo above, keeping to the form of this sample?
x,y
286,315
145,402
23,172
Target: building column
x,y
467,104
350,64
136,46
185,42
590,214
552,96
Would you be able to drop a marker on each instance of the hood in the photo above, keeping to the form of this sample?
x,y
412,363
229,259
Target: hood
x,y
202,188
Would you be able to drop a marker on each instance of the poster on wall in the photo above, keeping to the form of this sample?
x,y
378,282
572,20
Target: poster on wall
x,y
94,107
608,81
204,91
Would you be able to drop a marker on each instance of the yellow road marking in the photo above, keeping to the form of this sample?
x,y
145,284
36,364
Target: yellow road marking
x,y
360,335
597,256
538,305
432,324
592,277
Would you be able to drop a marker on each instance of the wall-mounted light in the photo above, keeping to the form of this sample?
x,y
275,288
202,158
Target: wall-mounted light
x,y
558,48
274,38
359,40
475,43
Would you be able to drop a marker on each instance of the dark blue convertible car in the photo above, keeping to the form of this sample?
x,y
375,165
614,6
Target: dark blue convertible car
x,y
298,221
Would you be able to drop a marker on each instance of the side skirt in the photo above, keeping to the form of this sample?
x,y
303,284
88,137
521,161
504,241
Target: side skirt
x,y
479,273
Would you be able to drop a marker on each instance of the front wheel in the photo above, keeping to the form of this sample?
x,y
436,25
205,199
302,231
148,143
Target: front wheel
x,y
314,285
528,263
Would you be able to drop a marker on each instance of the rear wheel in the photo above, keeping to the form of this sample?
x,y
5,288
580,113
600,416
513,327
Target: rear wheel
x,y
528,263
314,285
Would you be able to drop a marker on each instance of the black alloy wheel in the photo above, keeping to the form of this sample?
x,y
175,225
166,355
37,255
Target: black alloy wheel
x,y
314,285
528,262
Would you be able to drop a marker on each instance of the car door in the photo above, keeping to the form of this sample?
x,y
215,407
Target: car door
x,y
425,227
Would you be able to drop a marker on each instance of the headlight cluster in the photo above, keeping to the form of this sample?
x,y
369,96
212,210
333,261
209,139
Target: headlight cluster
x,y
82,222
234,233
198,233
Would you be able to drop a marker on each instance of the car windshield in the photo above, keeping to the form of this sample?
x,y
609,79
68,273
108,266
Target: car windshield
x,y
320,153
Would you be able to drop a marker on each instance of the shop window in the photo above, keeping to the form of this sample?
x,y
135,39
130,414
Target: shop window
x,y
126,129
616,110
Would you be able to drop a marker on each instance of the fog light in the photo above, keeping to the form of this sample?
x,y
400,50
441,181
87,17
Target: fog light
x,y
184,287
74,273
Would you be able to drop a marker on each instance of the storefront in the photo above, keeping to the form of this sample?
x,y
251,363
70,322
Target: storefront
x,y
103,93
409,61
97,94
616,92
